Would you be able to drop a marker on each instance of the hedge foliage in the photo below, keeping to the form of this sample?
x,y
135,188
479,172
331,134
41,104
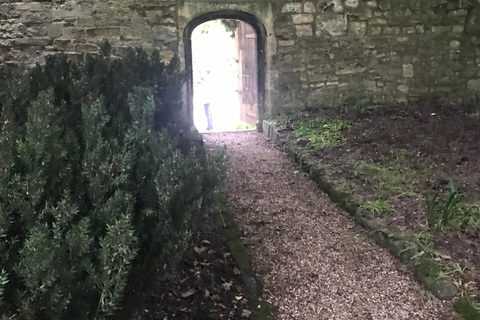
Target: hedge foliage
x,y
92,190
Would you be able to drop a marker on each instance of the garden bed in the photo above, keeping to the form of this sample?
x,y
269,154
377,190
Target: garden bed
x,y
413,170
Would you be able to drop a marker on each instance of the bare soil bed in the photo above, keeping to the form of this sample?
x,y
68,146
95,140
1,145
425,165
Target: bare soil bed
x,y
416,168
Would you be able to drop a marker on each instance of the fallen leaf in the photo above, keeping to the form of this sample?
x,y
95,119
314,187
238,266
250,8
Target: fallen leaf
x,y
227,286
188,293
200,250
445,256
237,271
221,306
246,313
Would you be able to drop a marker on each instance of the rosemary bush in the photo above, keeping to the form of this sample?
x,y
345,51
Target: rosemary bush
x,y
92,189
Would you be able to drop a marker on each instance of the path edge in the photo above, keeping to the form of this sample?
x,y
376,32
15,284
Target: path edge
x,y
224,222
427,271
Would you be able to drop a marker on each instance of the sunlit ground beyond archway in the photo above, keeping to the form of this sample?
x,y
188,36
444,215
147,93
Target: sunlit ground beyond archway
x,y
214,52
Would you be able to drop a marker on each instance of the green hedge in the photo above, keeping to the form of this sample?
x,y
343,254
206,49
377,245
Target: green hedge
x,y
92,190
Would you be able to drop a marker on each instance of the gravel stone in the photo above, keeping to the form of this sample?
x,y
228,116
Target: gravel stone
x,y
316,263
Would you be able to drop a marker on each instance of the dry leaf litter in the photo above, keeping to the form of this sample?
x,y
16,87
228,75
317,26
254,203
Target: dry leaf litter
x,y
316,263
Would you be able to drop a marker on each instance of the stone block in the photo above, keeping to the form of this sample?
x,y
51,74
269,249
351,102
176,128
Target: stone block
x,y
409,30
344,67
75,12
403,88
375,21
73,33
303,30
104,33
384,5
420,28
370,84
31,6
85,22
331,6
351,3
286,43
318,78
32,42
63,44
309,7
292,7
391,30
86,47
154,17
31,18
407,70
458,29
454,44
357,27
332,24
166,34
375,31
473,85
440,29
282,26
302,18
55,30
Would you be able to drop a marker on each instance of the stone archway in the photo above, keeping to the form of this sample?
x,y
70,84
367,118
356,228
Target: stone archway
x,y
261,32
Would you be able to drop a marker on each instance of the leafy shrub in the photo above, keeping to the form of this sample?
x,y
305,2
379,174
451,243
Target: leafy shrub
x,y
90,193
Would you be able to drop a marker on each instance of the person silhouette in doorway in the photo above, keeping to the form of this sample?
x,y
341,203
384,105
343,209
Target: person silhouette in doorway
x,y
207,94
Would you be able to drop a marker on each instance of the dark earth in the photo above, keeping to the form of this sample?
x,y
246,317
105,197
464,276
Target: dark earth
x,y
205,285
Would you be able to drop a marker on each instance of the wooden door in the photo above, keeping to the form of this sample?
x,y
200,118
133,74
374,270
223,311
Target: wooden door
x,y
246,39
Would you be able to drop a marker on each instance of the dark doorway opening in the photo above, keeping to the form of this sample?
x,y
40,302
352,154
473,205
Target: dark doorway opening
x,y
225,72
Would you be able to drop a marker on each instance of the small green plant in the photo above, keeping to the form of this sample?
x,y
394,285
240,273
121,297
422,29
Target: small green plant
x,y
378,206
445,214
471,214
303,157
321,132
451,269
369,132
244,126
419,243
364,110
396,177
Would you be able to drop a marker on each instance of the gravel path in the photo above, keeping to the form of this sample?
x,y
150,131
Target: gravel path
x,y
315,261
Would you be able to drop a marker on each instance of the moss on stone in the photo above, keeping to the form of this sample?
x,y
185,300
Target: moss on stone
x,y
466,307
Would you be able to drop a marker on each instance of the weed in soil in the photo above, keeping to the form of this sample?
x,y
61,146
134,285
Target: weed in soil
x,y
378,206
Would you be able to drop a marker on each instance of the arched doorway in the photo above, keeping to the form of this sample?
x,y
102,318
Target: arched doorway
x,y
260,39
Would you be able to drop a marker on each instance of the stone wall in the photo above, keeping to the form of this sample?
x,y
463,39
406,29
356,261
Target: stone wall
x,y
337,52
318,53
30,30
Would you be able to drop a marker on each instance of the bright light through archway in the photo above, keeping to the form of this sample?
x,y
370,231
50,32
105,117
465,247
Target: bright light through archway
x,y
215,76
